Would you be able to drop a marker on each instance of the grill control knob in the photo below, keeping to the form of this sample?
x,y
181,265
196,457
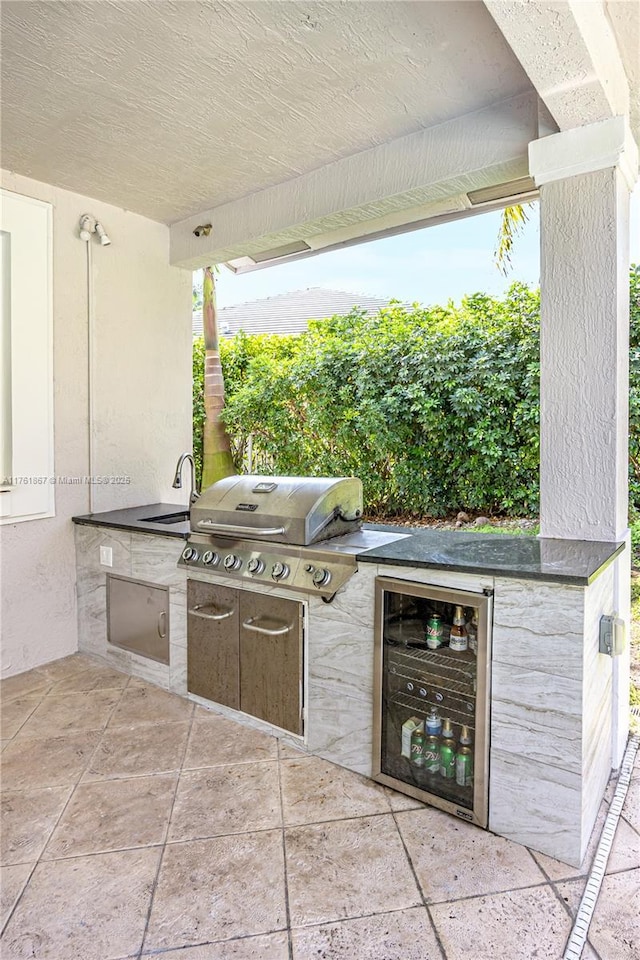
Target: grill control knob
x,y
210,558
231,562
255,565
321,577
189,553
279,571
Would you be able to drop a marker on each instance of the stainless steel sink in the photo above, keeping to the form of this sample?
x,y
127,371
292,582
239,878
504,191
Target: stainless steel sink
x,y
180,517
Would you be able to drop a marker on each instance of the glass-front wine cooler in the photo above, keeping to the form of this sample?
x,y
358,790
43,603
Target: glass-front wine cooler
x,y
431,703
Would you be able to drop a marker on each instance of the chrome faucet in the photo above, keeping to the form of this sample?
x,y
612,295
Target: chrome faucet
x,y
177,480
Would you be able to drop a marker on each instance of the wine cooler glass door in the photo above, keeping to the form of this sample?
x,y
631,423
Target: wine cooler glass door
x,y
432,704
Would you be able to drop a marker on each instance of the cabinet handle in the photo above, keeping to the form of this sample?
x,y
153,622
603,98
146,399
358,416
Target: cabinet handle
x,y
251,624
198,611
162,624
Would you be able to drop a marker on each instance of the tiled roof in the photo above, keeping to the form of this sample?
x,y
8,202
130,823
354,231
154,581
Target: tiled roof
x,y
288,312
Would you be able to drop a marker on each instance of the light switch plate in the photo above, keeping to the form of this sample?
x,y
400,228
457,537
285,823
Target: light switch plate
x,y
106,556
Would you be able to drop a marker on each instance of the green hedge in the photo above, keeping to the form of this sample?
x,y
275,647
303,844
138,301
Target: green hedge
x,y
198,405
435,409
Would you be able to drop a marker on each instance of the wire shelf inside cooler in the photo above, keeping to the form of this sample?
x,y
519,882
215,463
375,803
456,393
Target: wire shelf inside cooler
x,y
419,707
435,668
458,688
463,661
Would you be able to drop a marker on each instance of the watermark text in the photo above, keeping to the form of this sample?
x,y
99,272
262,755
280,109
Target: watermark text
x,y
36,480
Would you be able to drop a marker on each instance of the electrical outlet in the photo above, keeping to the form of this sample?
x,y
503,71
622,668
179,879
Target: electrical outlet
x,y
106,556
612,636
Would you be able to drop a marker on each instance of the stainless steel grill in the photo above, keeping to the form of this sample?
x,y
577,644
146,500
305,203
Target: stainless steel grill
x,y
298,510
276,530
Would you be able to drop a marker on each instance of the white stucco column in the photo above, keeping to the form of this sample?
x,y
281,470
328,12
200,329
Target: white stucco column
x,y
585,176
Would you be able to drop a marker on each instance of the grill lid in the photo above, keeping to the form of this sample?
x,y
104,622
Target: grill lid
x,y
298,510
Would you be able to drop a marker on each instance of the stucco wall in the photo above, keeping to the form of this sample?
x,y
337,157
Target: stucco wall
x,y
142,406
584,350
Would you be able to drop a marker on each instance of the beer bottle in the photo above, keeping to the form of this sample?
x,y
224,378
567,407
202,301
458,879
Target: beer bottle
x,y
464,760
447,751
417,746
458,638
433,723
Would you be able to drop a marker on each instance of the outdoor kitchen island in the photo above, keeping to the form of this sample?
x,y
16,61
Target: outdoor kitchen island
x,y
551,690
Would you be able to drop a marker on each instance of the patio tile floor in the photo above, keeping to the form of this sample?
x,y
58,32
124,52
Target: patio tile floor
x,y
136,825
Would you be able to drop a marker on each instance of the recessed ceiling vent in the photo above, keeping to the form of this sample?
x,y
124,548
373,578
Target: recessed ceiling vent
x,y
298,246
267,256
514,189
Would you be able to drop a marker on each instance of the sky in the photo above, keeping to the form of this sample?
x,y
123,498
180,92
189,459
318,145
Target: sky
x,y
430,266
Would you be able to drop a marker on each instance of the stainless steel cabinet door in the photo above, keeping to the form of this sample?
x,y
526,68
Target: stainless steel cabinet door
x,y
271,659
138,617
212,646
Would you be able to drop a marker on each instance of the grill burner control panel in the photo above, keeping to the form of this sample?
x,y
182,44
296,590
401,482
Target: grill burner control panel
x,y
307,569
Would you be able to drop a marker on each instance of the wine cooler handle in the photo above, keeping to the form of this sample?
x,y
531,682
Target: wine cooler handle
x,y
252,624
199,611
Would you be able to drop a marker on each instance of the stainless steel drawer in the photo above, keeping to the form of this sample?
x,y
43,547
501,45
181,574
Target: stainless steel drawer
x,y
138,617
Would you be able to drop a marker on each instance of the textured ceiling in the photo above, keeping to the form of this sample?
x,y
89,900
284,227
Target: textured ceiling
x,y
168,108
625,20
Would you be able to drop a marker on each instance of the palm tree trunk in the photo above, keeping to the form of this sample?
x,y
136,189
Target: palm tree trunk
x,y
216,461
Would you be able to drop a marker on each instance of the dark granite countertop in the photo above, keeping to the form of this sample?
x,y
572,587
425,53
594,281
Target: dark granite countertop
x,y
577,562
136,519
